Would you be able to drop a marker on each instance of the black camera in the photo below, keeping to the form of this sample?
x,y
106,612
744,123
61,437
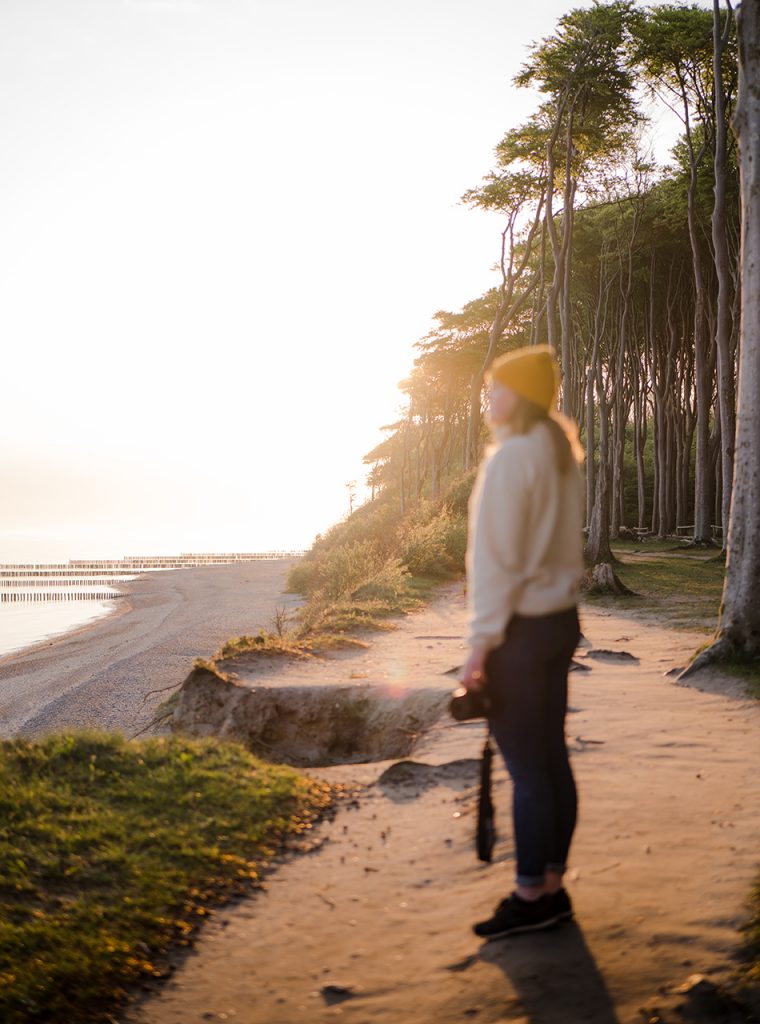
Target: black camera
x,y
468,704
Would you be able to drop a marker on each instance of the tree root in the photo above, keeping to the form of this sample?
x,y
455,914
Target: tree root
x,y
602,579
722,650
158,720
719,650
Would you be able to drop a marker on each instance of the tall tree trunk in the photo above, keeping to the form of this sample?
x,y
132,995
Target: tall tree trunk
x,y
640,440
655,521
739,626
563,295
726,397
594,377
551,227
669,470
598,543
702,388
597,551
590,442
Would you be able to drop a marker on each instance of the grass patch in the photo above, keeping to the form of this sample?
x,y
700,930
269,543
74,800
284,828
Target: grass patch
x,y
111,850
682,588
264,642
747,671
326,621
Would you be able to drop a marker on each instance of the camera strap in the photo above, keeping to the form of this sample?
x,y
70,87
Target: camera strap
x,y
486,832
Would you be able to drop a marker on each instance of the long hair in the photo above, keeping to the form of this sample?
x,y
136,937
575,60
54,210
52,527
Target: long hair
x,y
563,431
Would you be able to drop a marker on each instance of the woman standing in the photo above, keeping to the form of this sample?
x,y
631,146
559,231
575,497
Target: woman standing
x,y
524,563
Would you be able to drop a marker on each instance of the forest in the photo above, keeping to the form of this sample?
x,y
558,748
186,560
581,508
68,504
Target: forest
x,y
631,271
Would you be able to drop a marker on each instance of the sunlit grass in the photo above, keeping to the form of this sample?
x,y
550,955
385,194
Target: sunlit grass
x,y
681,586
110,851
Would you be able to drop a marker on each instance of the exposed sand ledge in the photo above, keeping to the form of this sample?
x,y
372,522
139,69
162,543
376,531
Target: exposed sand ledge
x,y
375,924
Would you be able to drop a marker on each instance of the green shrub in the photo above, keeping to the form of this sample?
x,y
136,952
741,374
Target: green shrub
x,y
427,544
377,563
388,584
303,577
344,569
458,495
456,541
374,522
369,533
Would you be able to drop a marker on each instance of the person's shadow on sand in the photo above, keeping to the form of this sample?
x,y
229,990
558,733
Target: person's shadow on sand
x,y
554,977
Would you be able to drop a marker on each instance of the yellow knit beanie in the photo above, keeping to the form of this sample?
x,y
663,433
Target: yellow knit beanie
x,y
531,372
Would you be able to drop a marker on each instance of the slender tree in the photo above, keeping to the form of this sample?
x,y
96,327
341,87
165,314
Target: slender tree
x,y
674,50
589,114
726,395
738,633
509,192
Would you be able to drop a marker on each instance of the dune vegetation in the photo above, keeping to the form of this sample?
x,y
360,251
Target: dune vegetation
x,y
111,852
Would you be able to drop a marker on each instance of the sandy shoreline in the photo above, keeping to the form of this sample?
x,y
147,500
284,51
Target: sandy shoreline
x,y
101,674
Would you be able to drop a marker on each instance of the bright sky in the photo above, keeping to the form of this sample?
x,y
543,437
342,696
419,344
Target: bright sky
x,y
225,223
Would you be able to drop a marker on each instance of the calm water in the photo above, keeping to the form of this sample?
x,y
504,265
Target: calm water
x,y
41,602
22,624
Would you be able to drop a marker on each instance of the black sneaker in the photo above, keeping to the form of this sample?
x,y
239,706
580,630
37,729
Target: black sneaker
x,y
560,901
518,915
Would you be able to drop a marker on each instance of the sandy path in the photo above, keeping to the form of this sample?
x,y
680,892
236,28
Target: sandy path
x,y
99,675
664,857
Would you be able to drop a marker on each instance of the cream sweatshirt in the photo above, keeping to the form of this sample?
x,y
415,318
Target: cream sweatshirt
x,y
525,544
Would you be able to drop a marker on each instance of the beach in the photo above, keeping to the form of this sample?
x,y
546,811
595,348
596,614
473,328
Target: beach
x,y
113,673
373,924
375,921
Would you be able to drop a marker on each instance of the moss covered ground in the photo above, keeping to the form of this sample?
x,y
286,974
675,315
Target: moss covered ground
x,y
680,586
111,852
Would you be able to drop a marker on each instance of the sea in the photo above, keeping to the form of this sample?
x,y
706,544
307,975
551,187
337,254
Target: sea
x,y
43,600
40,602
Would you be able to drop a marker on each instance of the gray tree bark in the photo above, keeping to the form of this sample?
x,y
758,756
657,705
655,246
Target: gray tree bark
x,y
739,627
726,396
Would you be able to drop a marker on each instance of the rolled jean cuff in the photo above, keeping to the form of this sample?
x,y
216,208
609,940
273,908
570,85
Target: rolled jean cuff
x,y
557,869
530,881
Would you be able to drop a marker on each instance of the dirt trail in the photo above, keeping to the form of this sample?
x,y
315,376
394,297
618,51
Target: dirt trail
x,y
375,924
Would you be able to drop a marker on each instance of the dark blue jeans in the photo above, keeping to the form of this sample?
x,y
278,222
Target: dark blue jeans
x,y
527,684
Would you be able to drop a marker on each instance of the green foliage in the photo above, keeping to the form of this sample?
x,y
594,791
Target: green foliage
x,y
673,45
347,567
433,543
378,563
457,496
110,851
581,68
263,642
303,576
390,583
